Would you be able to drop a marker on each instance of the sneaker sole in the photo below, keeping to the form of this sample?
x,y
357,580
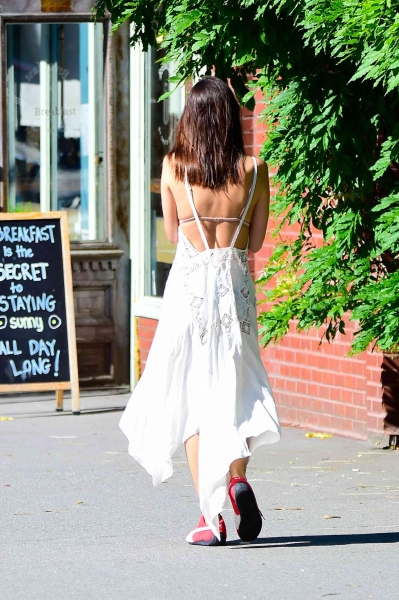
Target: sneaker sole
x,y
213,542
250,519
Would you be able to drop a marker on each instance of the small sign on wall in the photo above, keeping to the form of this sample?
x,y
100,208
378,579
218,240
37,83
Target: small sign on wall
x,y
56,5
37,326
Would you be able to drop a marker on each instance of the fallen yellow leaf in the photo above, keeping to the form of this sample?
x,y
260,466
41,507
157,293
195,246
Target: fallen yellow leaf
x,y
322,436
6,419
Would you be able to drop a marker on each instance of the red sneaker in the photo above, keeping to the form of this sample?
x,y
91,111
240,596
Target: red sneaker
x,y
203,535
247,516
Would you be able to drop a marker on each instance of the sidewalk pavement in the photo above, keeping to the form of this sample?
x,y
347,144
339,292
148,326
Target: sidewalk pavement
x,y
80,519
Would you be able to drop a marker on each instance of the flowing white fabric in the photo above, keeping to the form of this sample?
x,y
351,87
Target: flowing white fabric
x,y
204,373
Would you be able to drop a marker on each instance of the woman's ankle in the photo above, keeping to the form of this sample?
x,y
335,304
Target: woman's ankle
x,y
238,468
235,474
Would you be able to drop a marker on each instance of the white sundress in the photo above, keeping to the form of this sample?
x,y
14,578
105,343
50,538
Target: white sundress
x,y
204,372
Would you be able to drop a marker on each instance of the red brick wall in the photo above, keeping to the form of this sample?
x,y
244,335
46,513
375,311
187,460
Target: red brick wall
x,y
147,329
315,386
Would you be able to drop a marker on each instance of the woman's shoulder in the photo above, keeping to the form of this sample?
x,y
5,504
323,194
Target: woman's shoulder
x,y
168,167
261,166
168,161
249,162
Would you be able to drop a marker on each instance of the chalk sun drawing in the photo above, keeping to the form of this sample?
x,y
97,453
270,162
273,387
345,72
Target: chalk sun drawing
x,y
3,322
54,321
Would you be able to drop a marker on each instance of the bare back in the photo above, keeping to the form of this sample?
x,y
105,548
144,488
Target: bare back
x,y
217,204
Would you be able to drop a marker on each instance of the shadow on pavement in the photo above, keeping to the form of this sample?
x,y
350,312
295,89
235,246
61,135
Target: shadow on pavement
x,y
67,413
318,540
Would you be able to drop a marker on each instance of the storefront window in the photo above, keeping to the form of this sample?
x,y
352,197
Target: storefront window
x,y
56,123
161,119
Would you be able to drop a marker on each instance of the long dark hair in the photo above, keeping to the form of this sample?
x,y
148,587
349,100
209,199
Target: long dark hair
x,y
208,139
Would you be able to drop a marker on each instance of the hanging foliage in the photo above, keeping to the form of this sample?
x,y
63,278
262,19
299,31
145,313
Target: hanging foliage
x,y
329,73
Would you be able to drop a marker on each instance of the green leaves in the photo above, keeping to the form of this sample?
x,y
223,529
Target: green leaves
x,y
389,153
329,74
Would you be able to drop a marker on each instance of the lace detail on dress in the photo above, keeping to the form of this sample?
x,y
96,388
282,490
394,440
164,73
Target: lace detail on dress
x,y
217,281
218,286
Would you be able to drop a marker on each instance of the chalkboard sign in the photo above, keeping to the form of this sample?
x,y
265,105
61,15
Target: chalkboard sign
x,y
37,329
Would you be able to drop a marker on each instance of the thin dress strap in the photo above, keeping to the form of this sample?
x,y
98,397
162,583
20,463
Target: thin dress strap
x,y
191,201
250,196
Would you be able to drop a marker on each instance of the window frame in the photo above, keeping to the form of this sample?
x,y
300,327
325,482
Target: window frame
x,y
14,18
143,304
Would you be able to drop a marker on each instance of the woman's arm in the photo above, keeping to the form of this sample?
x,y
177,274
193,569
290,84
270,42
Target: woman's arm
x,y
169,209
260,216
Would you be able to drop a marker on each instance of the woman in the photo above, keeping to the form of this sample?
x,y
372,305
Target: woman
x,y
204,384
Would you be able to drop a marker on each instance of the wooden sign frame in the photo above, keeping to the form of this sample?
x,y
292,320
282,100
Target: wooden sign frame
x,y
58,386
